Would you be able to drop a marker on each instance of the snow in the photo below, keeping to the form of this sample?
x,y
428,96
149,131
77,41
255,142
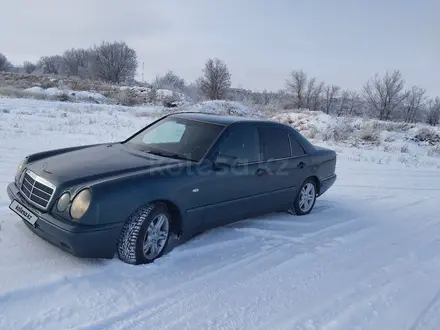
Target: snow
x,y
224,108
415,143
74,95
161,94
365,258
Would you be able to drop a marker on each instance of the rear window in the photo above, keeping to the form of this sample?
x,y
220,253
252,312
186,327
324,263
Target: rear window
x,y
275,143
297,149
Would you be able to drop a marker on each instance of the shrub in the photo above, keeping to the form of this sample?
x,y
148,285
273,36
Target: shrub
x,y
390,138
170,101
128,97
63,97
369,133
434,151
19,93
48,84
426,134
312,132
404,149
341,131
387,148
402,159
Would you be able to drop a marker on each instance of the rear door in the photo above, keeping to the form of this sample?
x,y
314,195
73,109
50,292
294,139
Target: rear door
x,y
285,162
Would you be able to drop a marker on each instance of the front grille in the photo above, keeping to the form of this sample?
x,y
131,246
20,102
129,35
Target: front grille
x,y
37,190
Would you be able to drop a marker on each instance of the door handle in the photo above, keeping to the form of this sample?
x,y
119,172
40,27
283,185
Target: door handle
x,y
301,165
260,172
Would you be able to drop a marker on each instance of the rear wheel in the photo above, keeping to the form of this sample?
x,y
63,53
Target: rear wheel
x,y
145,235
306,198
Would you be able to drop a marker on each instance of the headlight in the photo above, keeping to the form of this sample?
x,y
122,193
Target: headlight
x,y
80,204
63,202
20,167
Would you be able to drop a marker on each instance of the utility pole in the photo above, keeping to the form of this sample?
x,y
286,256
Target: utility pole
x,y
142,72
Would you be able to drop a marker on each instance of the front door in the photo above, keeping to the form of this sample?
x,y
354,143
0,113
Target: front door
x,y
234,192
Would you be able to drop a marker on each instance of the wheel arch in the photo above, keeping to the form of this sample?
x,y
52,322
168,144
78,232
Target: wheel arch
x,y
176,215
317,183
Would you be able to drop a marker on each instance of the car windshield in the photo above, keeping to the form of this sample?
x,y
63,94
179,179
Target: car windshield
x,y
177,138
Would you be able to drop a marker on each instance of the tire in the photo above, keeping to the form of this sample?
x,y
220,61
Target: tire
x,y
309,189
140,230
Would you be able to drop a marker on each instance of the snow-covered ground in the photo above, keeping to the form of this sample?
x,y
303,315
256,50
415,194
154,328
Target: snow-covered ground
x,y
75,95
367,257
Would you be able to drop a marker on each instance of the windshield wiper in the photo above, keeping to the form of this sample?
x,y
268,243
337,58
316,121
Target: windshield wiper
x,y
169,154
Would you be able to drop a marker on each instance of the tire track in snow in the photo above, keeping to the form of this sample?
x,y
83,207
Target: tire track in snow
x,y
157,304
189,305
53,286
196,302
376,294
389,187
27,292
410,238
343,227
49,289
230,269
429,319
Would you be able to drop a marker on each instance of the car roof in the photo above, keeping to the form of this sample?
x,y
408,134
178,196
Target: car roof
x,y
216,118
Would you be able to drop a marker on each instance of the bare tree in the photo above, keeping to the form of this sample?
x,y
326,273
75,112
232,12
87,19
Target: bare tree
x,y
29,67
385,94
433,112
309,92
415,99
216,80
5,65
314,96
192,91
306,93
265,97
51,64
170,81
297,86
354,104
331,93
114,62
76,62
343,103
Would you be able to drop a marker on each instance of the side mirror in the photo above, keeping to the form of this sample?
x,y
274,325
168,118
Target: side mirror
x,y
224,161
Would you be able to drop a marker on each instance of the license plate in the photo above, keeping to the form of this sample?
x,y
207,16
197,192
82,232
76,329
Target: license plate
x,y
23,212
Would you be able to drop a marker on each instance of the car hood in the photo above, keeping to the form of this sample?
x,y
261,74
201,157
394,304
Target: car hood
x,y
97,162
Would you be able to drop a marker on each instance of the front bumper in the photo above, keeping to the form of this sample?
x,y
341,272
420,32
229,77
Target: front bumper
x,y
85,241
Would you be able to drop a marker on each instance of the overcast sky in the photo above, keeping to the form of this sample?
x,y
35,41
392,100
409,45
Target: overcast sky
x,y
339,41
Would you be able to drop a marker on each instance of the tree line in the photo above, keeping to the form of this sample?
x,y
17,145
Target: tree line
x,y
385,97
113,62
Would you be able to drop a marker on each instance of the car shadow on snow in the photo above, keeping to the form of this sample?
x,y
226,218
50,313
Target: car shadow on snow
x,y
329,220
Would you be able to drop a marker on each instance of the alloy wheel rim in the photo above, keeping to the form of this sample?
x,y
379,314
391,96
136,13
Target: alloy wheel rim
x,y
307,197
156,236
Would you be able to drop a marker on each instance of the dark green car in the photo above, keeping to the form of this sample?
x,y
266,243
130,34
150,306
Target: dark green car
x,y
181,175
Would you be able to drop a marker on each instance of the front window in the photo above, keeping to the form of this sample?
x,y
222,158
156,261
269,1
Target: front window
x,y
177,138
242,146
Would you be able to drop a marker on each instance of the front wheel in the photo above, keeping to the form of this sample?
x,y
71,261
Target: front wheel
x,y
145,235
306,198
